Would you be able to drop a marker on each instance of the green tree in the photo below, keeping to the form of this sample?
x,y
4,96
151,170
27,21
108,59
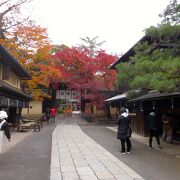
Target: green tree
x,y
155,65
92,45
171,14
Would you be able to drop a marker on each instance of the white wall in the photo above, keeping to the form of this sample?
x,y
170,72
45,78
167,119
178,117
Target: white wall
x,y
35,108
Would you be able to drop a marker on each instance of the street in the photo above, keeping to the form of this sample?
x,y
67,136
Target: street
x,y
151,164
30,159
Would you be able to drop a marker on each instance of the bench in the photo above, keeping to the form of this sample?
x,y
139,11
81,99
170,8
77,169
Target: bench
x,y
31,124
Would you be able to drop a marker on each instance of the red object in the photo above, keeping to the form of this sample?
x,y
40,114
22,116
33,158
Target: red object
x,y
53,111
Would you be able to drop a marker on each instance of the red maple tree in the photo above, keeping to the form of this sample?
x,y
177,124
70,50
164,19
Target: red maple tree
x,y
88,74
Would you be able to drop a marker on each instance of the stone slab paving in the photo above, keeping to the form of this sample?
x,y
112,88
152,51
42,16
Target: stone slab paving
x,y
75,156
16,137
171,149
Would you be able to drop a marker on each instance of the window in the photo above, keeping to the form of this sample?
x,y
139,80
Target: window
x,y
5,72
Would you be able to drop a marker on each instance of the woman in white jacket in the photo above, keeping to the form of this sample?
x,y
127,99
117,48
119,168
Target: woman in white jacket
x,y
4,124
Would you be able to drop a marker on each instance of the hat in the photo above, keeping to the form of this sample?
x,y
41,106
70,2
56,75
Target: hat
x,y
3,115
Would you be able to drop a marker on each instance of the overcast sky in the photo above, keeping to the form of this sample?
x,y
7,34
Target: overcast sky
x,y
119,22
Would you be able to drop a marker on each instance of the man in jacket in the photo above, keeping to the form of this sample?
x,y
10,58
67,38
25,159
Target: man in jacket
x,y
123,123
153,128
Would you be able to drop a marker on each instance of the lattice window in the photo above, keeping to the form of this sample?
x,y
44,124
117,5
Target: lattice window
x,y
5,72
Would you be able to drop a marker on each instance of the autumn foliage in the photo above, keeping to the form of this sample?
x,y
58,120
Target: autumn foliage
x,y
48,64
88,74
31,46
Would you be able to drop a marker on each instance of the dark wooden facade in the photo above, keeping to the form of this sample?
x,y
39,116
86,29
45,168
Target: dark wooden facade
x,y
12,97
138,124
160,103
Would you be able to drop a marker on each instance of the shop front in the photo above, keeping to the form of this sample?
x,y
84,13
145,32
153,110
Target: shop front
x,y
12,96
12,101
161,103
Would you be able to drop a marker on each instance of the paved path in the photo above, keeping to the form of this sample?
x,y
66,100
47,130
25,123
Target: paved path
x,y
75,156
171,149
27,156
151,164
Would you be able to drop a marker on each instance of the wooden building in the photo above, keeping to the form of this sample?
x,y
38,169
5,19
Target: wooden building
x,y
64,98
160,102
12,97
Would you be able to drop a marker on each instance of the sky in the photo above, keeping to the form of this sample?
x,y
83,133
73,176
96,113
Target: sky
x,y
120,23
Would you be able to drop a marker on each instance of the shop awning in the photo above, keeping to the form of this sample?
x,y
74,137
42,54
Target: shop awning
x,y
11,102
117,97
3,101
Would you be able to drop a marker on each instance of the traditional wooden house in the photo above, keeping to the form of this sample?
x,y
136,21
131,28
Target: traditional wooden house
x,y
64,98
160,102
68,99
12,96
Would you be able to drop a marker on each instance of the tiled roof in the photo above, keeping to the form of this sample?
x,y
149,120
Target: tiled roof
x,y
155,96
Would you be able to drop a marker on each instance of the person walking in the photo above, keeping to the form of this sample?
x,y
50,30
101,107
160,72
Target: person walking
x,y
167,127
124,131
53,114
48,112
4,124
153,128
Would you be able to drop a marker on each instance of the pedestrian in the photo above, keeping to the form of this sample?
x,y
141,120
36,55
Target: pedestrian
x,y
124,130
52,114
167,127
4,124
153,128
48,112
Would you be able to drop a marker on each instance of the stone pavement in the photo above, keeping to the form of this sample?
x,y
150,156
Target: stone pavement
x,y
75,156
171,149
16,137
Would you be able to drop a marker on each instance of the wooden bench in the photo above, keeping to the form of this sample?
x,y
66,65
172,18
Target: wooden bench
x,y
37,121
31,124
27,125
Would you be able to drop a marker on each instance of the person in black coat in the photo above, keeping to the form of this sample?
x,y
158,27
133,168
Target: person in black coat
x,y
123,134
153,128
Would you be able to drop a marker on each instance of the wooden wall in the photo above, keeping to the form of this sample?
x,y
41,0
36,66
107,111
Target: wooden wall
x,y
138,123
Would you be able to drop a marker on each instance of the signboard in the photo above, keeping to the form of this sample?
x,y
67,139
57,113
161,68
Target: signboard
x,y
62,94
68,94
57,94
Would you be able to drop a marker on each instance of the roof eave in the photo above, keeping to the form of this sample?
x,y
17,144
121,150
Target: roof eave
x,y
14,62
10,91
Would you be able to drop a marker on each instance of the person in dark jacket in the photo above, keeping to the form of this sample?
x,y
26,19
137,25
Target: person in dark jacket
x,y
48,111
153,128
123,134
4,124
